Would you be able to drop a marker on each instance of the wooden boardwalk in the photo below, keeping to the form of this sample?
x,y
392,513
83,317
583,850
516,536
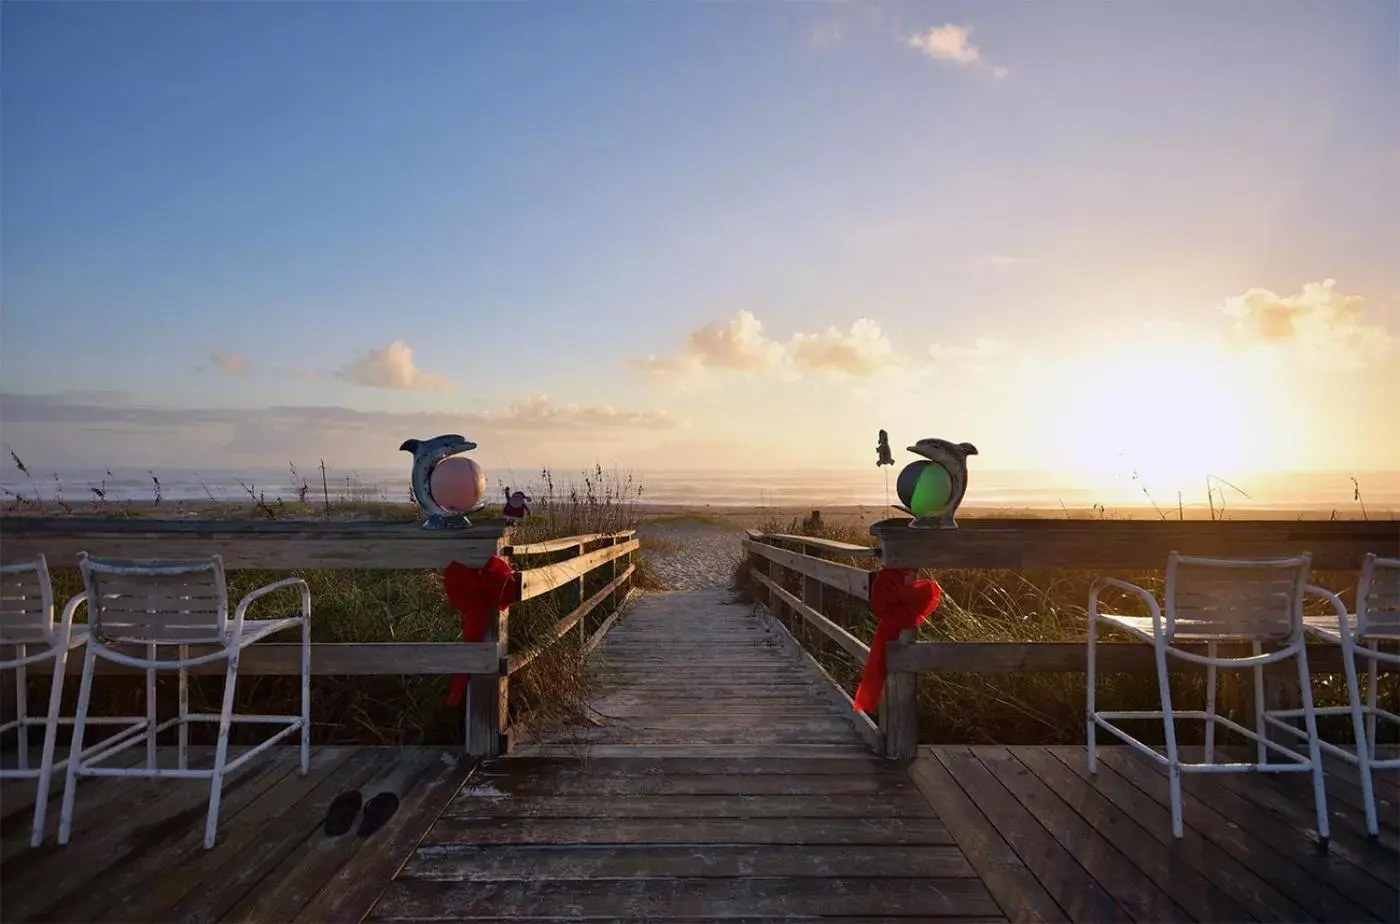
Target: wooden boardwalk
x,y
719,780
137,852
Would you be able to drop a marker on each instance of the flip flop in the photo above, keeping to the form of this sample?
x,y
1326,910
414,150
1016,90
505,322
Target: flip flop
x,y
378,811
341,814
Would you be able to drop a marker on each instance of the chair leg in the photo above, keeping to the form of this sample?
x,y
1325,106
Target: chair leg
x,y
1261,752
22,706
1169,732
1359,732
305,696
41,794
1324,834
1211,648
1372,684
211,824
1090,725
151,720
184,725
75,750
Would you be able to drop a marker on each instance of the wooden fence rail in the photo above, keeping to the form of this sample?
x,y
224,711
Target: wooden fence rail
x,y
1016,544
338,545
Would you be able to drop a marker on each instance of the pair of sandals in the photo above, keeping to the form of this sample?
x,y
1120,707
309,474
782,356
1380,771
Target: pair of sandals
x,y
344,807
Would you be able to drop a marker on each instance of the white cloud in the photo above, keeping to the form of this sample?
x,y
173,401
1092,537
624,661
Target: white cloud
x,y
865,351
824,35
952,43
1319,325
393,367
981,348
229,363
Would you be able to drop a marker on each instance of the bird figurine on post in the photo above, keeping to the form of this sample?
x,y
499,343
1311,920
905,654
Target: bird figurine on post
x,y
932,489
882,451
446,488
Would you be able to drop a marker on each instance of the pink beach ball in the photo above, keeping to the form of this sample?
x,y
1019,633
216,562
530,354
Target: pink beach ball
x,y
457,484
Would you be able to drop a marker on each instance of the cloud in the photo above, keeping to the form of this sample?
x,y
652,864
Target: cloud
x,y
1320,325
952,43
229,363
824,35
982,348
738,346
96,431
865,351
393,367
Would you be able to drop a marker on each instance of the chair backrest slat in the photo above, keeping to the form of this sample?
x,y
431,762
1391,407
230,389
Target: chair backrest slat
x,y
1378,598
1236,599
161,602
26,603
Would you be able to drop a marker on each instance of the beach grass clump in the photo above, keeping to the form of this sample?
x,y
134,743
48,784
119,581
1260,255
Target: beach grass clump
x,y
1025,606
382,605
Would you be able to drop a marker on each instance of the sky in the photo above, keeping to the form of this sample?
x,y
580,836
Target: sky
x,y
1083,236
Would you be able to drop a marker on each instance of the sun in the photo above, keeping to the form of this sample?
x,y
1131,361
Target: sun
x,y
1168,412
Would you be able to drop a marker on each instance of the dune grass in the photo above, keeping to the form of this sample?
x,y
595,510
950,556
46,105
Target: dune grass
x,y
377,605
1025,606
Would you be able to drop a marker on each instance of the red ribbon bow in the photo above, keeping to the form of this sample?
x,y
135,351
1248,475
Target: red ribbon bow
x,y
476,593
900,603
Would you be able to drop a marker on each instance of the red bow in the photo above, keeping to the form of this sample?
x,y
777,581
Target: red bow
x,y
476,593
900,603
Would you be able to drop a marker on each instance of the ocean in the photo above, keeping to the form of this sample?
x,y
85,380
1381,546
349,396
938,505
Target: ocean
x,y
998,490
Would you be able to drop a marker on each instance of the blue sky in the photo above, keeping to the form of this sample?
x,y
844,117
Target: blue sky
x,y
215,209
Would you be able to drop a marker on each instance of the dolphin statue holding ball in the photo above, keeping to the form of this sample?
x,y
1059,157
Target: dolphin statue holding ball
x,y
466,496
931,490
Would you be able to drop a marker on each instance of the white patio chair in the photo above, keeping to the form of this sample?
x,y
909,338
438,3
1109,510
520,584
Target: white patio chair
x,y
1213,601
1377,620
26,622
163,604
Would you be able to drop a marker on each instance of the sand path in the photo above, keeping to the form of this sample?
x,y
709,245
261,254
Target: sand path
x,y
690,555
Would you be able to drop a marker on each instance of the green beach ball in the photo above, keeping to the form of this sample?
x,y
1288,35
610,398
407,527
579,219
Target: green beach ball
x,y
925,488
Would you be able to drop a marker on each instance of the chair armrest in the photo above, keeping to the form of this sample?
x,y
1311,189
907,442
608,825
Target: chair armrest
x,y
65,622
1152,606
238,614
1343,624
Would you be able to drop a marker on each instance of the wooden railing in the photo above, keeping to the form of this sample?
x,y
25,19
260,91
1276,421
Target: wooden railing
x,y
342,545
1016,544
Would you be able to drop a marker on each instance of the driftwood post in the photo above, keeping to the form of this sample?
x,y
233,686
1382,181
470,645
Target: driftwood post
x,y
899,710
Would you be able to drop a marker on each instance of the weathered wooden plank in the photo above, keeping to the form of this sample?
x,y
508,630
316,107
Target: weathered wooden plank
x,y
329,659
283,545
1073,889
1260,900
516,662
471,863
536,581
854,581
826,545
598,783
909,831
1072,657
854,646
714,899
1133,868
205,871
1012,885
856,764
305,871
17,796
766,738
355,888
566,542
1290,863
1021,544
859,721
693,807
39,880
148,868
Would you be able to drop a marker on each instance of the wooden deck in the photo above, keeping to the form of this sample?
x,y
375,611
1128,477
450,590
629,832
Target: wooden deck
x,y
136,853
719,779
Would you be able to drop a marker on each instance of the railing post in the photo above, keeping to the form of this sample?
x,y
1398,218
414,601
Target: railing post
x,y
899,710
488,696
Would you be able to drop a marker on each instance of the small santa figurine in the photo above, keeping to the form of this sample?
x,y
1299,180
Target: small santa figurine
x,y
516,508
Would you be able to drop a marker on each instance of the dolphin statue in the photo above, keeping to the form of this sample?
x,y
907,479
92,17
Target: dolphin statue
x,y
426,456
953,458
